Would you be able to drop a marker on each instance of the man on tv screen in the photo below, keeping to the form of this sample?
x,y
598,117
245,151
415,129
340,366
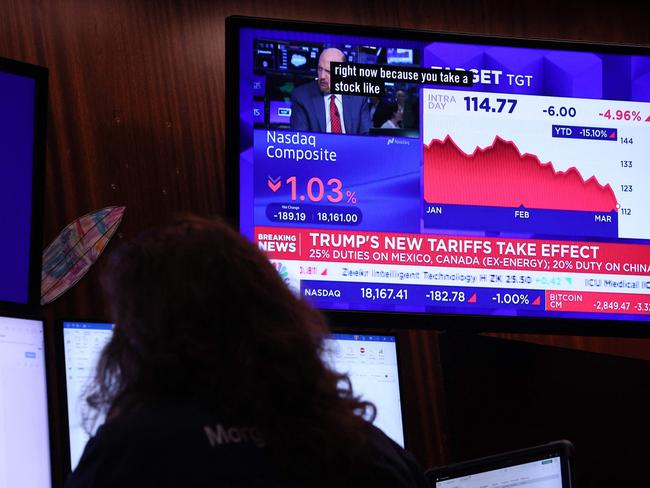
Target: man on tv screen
x,y
407,109
315,109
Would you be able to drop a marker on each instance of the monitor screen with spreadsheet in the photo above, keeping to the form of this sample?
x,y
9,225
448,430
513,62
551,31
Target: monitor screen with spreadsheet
x,y
370,361
546,466
24,421
82,344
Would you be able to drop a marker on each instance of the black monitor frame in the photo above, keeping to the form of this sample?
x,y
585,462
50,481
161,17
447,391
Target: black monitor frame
x,y
440,321
40,75
62,392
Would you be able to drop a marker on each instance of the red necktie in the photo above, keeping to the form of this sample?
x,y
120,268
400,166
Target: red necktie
x,y
335,117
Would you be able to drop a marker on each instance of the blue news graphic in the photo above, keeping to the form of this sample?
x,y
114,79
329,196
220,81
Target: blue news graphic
x,y
317,179
373,296
17,94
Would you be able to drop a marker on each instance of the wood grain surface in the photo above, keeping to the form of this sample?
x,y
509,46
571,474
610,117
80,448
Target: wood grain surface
x,y
137,114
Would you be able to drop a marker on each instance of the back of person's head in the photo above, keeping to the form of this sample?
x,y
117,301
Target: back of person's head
x,y
386,112
202,315
391,109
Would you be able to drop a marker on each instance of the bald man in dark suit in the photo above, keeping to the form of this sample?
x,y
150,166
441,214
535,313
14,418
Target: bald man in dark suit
x,y
315,109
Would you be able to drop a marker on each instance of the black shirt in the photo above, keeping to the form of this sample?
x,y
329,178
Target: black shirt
x,y
182,446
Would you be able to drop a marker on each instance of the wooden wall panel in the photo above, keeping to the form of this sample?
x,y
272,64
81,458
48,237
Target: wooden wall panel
x,y
137,97
424,411
504,395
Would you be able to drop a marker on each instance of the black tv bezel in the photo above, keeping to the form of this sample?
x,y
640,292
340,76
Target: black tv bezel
x,y
346,329
464,323
561,448
51,372
40,76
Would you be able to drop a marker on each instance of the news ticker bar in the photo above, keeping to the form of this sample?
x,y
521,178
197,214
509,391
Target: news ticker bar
x,y
359,293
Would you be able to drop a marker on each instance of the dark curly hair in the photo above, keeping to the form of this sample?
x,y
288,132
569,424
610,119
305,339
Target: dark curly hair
x,y
202,315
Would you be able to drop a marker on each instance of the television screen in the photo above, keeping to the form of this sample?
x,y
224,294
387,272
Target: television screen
x,y
524,194
22,141
399,56
82,344
371,363
24,425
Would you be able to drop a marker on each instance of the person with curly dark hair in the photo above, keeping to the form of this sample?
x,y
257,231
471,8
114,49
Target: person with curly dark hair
x,y
214,377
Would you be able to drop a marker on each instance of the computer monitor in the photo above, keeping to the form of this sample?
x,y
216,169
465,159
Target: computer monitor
x,y
82,344
24,422
371,363
369,360
546,466
23,108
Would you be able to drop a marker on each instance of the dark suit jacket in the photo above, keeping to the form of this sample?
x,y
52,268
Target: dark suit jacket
x,y
308,111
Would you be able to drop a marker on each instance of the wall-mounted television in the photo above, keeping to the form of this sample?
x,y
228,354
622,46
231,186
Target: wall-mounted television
x,y
23,108
524,195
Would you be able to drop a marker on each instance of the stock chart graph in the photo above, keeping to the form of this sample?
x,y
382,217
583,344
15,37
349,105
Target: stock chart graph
x,y
542,165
